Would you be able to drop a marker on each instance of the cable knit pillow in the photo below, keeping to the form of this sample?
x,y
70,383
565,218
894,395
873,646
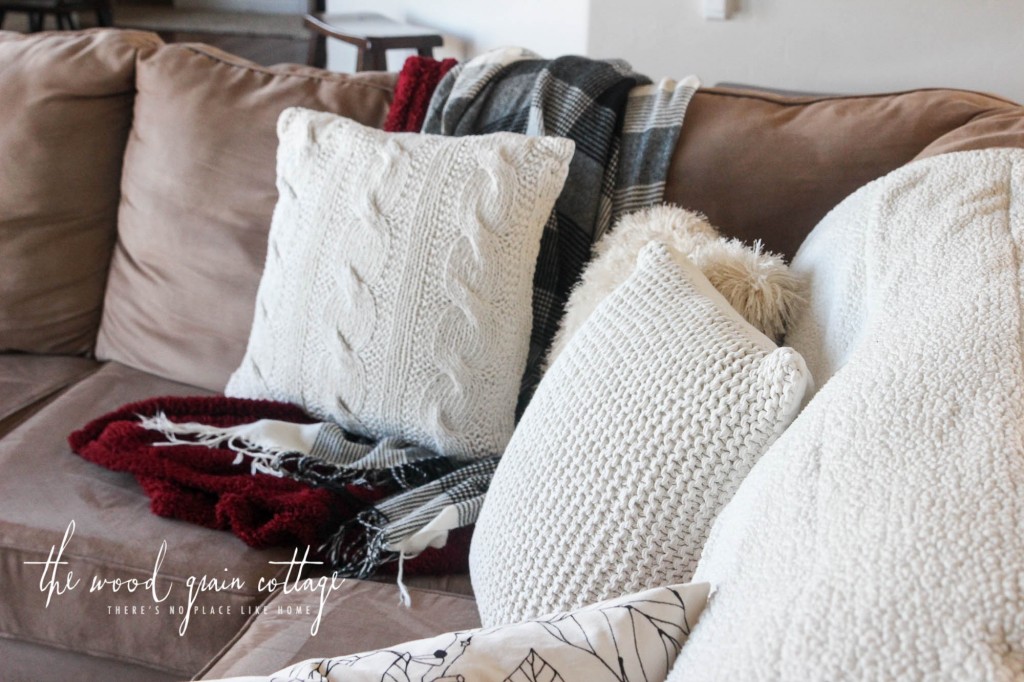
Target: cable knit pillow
x,y
638,435
632,638
396,295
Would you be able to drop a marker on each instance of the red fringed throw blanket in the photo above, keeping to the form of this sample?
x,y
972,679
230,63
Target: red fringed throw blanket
x,y
214,485
415,86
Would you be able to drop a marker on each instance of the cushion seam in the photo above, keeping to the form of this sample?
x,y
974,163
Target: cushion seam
x,y
812,99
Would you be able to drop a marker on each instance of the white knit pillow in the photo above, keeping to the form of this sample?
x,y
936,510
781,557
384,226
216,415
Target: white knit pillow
x,y
637,436
396,296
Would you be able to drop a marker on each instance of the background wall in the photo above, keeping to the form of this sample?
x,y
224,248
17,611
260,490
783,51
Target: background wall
x,y
549,27
822,45
815,45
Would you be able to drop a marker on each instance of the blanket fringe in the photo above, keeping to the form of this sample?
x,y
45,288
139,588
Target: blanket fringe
x,y
403,594
263,460
364,543
358,548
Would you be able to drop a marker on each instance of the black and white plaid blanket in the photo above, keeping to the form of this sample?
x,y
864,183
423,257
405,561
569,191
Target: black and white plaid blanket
x,y
625,130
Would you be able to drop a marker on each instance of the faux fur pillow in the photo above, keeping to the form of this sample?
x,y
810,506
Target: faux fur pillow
x,y
396,296
756,283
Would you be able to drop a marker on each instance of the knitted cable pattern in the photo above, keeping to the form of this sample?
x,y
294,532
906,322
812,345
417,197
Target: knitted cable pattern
x,y
396,298
638,435
461,345
362,251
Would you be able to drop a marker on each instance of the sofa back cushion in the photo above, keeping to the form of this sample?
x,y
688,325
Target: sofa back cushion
x,y
769,166
198,192
66,107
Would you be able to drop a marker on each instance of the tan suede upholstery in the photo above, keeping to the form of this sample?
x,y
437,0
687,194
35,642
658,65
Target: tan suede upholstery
x,y
1002,127
198,193
62,664
450,584
360,616
769,167
27,380
65,108
43,486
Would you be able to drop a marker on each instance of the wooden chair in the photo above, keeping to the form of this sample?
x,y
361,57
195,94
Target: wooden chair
x,y
65,12
372,35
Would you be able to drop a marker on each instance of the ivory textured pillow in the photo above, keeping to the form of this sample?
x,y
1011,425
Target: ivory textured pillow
x,y
396,295
638,435
632,638
882,537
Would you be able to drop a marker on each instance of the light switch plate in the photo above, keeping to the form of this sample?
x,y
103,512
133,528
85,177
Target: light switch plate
x,y
716,10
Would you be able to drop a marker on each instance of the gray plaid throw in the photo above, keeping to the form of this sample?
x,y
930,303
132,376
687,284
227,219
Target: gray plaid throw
x,y
434,494
625,130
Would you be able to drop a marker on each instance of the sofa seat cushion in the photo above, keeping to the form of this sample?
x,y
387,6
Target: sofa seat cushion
x,y
359,616
457,583
67,108
21,661
27,380
198,191
44,487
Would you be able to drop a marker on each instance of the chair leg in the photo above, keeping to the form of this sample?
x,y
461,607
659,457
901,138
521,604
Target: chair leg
x,y
104,13
35,22
372,58
2,15
317,55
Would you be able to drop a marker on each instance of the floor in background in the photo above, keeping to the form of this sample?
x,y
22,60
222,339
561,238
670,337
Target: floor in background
x,y
167,19
260,49
263,38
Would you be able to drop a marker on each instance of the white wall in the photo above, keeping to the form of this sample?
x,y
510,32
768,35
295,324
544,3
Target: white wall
x,y
549,27
822,45
816,45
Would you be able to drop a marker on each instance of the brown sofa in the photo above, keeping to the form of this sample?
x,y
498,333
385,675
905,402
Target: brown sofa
x,y
136,188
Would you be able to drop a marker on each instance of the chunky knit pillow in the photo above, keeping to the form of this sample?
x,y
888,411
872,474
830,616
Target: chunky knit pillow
x,y
638,435
396,296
